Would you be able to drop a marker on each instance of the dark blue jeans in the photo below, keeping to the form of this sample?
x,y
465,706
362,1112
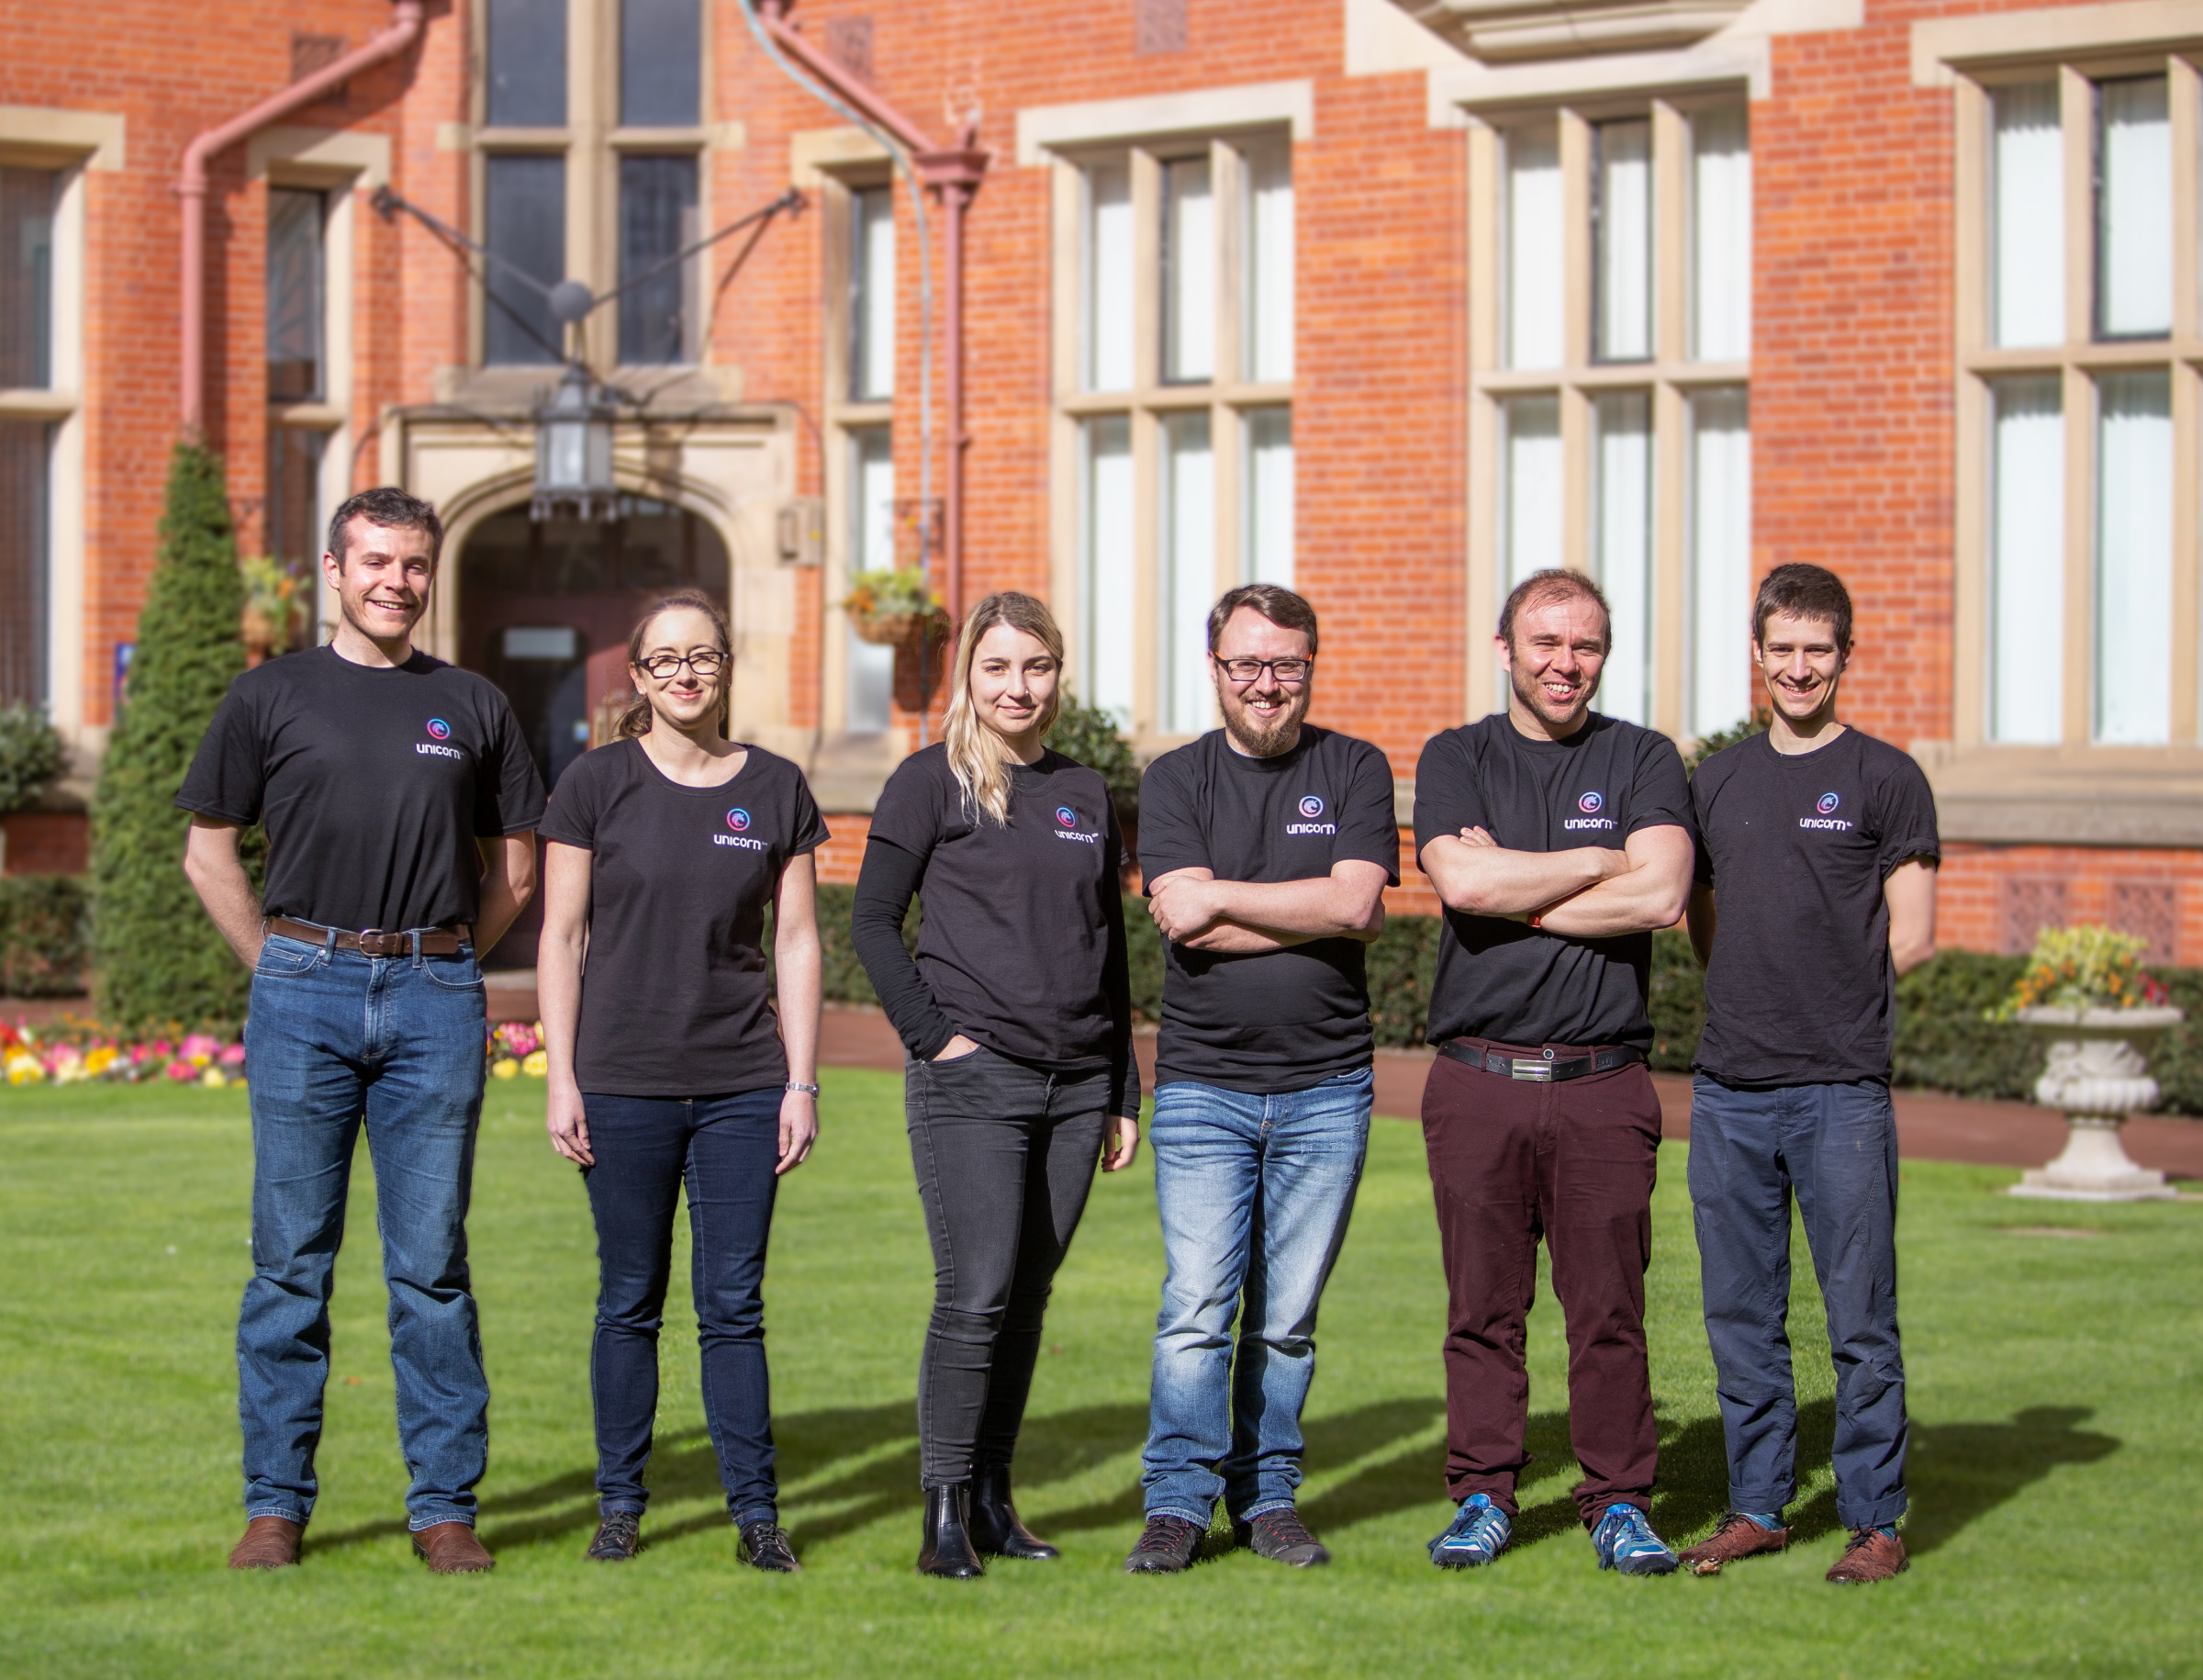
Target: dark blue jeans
x,y
1835,1146
723,1148
335,1038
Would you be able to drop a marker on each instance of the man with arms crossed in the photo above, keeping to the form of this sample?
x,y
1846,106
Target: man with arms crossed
x,y
1819,843
400,804
1267,847
1558,840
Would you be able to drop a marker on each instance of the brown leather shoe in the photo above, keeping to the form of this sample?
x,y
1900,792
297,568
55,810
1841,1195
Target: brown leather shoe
x,y
269,1542
1735,1536
451,1549
1872,1556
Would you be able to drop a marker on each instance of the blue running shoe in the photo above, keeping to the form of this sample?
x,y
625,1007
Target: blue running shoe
x,y
1478,1533
1626,1543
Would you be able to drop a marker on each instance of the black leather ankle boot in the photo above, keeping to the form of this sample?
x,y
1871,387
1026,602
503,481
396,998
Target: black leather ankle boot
x,y
946,1549
994,1524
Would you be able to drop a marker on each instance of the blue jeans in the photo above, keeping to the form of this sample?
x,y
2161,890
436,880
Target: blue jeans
x,y
335,1037
1254,1193
724,1148
1835,1146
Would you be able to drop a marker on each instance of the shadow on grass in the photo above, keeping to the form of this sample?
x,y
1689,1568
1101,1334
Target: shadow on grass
x,y
1960,1471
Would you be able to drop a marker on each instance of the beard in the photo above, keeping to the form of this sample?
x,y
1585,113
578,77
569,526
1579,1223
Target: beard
x,y
1530,691
1260,740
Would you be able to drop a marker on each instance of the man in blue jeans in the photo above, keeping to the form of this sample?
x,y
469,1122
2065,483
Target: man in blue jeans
x,y
400,804
1267,847
1818,845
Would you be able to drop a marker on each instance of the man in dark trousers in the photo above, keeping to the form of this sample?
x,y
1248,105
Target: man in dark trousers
x,y
1558,840
1819,845
1267,847
400,804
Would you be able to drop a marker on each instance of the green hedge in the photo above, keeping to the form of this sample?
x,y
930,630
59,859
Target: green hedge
x,y
43,934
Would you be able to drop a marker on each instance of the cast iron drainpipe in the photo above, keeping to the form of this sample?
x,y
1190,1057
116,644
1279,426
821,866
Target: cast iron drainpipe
x,y
190,185
954,173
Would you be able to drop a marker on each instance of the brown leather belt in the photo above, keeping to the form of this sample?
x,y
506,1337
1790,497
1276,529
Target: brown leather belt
x,y
434,941
1543,1065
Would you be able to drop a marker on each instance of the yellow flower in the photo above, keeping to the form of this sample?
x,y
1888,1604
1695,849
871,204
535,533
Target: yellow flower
x,y
214,1079
200,1061
504,1067
536,1066
24,1069
100,1060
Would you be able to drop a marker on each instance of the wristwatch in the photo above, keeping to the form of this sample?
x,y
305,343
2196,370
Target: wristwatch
x,y
800,1085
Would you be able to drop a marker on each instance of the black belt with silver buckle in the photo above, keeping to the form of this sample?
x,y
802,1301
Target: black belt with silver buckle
x,y
434,942
1542,1066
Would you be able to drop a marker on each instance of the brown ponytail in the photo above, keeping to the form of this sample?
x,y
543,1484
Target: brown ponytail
x,y
635,719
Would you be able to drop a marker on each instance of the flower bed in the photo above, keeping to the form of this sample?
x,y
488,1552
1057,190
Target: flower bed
x,y
74,1051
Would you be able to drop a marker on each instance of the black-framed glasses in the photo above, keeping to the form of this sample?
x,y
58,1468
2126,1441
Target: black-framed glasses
x,y
1286,671
706,662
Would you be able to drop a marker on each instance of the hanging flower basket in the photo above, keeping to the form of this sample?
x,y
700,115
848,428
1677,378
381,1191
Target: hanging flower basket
x,y
894,609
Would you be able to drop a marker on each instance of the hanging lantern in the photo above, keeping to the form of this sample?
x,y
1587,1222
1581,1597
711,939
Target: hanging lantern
x,y
574,451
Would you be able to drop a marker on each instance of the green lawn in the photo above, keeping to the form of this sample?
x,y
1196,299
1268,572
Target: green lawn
x,y
2054,1393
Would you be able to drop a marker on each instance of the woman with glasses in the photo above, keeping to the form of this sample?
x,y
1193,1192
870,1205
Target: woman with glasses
x,y
670,1064
1017,1017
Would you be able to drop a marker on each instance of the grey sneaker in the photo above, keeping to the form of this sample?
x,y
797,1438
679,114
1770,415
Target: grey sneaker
x,y
764,1545
1165,1548
619,1537
1281,1537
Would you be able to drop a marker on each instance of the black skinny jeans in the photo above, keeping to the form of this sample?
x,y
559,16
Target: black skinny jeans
x,y
724,1148
1005,1155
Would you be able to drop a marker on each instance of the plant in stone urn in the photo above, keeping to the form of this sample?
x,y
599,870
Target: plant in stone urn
x,y
891,608
2085,996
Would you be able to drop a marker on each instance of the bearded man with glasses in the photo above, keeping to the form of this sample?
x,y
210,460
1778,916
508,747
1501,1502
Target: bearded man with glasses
x,y
1267,847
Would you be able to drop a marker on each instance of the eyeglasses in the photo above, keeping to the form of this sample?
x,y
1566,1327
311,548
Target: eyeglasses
x,y
705,662
1285,671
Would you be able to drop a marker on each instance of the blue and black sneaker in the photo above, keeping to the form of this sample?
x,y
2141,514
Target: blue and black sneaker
x,y
1626,1543
1478,1533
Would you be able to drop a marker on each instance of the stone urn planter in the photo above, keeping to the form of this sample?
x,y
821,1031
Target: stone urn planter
x,y
2099,1073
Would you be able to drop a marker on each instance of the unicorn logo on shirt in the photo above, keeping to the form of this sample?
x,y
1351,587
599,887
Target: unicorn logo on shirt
x,y
739,821
1312,807
1826,804
441,732
1591,804
1066,816
438,729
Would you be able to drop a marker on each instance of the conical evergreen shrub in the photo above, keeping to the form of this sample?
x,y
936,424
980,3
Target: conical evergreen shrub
x,y
156,958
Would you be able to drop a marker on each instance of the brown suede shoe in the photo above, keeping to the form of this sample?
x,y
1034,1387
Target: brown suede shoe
x,y
1872,1556
451,1549
269,1542
1735,1536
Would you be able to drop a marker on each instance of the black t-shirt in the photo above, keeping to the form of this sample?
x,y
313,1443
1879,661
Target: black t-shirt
x,y
1505,980
1265,1022
1800,989
374,782
1022,941
675,998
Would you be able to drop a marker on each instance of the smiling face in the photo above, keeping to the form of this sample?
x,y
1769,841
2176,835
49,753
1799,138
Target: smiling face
x,y
382,578
684,697
1013,679
1262,716
1553,663
1802,662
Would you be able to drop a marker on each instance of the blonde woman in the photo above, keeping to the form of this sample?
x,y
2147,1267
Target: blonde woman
x,y
1016,1015
670,1063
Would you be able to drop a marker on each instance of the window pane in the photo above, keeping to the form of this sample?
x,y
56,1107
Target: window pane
x,y
1189,572
1721,235
871,549
1622,468
2133,209
1720,578
1105,565
2028,162
1622,242
872,293
524,221
1267,520
27,278
1189,273
293,523
24,572
1530,520
657,220
2027,562
661,63
2134,557
1534,288
1270,264
527,63
1107,283
295,294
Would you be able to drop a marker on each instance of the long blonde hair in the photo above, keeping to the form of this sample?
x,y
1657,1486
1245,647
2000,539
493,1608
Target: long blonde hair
x,y
976,754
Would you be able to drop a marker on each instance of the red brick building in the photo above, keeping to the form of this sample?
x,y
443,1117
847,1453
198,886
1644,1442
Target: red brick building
x,y
1392,298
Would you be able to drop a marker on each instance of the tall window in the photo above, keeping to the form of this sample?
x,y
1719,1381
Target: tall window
x,y
27,215
1610,365
860,390
871,549
2079,331
295,313
26,201
657,221
871,294
1174,373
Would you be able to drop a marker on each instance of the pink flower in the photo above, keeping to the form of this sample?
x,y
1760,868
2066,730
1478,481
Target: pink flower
x,y
234,1056
181,1071
200,1043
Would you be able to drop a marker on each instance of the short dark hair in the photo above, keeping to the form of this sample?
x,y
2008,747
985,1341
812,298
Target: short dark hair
x,y
1554,583
1279,605
390,507
1803,591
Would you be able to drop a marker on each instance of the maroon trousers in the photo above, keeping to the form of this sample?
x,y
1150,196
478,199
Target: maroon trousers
x,y
1512,1160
